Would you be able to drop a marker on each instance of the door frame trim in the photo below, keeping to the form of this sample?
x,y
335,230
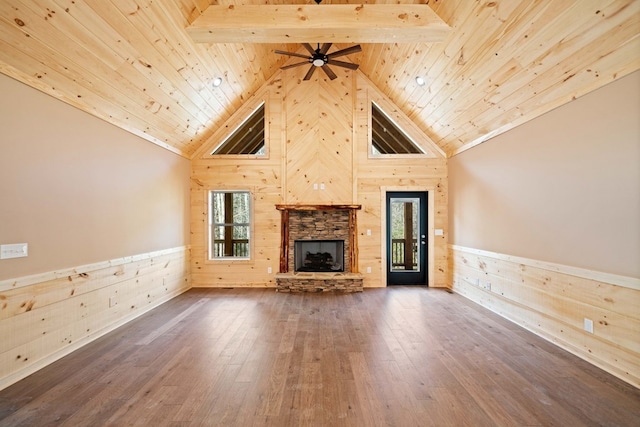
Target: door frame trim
x,y
430,190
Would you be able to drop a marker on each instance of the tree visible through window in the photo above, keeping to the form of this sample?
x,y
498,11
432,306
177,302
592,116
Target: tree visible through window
x,y
229,224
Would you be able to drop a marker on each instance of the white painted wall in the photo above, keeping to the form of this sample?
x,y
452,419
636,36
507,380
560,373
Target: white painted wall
x,y
79,190
563,188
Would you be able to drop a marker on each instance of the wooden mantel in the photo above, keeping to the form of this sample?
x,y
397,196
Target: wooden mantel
x,y
317,207
353,231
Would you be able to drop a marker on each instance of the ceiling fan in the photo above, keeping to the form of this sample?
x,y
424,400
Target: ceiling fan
x,y
320,58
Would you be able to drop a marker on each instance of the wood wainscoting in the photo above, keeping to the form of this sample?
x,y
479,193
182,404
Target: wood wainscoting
x,y
558,303
47,316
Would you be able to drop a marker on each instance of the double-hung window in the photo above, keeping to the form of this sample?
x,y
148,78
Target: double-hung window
x,y
229,224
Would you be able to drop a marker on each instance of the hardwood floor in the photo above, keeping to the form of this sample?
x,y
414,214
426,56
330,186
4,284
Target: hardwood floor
x,y
398,356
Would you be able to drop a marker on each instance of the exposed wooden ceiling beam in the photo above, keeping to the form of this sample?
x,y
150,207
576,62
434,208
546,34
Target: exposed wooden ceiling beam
x,y
336,23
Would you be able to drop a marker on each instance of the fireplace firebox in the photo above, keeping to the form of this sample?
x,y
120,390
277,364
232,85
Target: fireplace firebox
x,y
319,255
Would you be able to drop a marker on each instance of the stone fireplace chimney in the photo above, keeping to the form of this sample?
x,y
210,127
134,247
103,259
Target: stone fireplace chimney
x,y
331,224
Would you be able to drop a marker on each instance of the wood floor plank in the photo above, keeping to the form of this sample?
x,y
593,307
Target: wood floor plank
x,y
401,356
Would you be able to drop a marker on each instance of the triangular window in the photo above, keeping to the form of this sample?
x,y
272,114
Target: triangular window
x,y
387,137
248,138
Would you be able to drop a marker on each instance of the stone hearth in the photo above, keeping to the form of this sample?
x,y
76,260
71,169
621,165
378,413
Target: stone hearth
x,y
319,282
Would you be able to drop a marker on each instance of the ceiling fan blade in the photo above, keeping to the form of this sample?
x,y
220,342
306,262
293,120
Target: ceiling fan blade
x,y
310,72
349,65
297,64
329,72
309,48
299,55
325,48
347,51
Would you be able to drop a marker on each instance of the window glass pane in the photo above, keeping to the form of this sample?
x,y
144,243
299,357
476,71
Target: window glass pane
x,y
387,137
241,232
404,234
248,138
218,208
229,224
241,241
240,208
218,232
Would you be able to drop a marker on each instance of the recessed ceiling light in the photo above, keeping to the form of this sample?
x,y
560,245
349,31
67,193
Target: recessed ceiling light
x,y
217,82
420,81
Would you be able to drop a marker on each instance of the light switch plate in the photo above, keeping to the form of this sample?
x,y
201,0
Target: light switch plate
x,y
588,325
15,250
439,232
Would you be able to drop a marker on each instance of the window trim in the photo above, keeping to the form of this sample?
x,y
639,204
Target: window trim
x,y
261,104
428,148
209,225
400,129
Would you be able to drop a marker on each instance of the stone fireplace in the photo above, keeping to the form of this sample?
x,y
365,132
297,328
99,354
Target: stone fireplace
x,y
318,249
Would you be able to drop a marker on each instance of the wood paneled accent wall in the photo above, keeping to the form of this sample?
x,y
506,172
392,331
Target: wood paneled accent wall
x,y
319,139
553,301
46,316
262,176
317,132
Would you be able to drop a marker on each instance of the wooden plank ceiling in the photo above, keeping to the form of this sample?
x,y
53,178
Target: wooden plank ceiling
x,y
132,63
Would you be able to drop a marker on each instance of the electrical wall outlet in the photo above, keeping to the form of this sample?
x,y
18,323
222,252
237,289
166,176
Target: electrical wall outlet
x,y
112,301
368,269
269,270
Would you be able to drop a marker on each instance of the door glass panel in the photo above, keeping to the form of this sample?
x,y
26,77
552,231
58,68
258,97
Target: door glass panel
x,y
405,224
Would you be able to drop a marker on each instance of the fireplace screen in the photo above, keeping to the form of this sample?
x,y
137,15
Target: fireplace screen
x,y
319,255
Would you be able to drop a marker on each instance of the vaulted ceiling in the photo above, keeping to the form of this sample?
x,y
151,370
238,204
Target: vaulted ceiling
x,y
132,63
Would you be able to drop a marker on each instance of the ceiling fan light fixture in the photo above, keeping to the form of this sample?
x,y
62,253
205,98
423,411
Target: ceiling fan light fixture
x,y
420,81
318,62
217,82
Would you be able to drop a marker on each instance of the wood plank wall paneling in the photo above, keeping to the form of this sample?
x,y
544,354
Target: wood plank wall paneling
x,y
46,316
552,301
318,133
409,173
319,125
263,177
